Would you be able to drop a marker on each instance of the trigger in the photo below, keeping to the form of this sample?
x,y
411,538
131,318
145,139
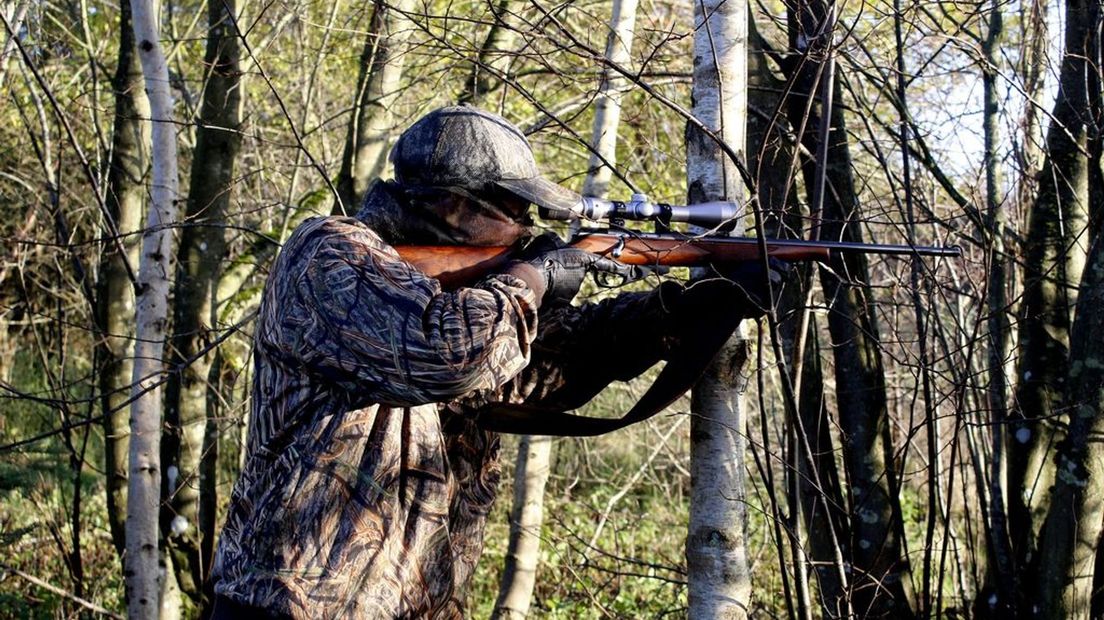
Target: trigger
x,y
619,248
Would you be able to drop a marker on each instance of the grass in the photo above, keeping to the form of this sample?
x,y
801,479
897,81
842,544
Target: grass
x,y
634,568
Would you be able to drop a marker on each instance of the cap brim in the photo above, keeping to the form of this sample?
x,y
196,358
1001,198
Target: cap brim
x,y
543,193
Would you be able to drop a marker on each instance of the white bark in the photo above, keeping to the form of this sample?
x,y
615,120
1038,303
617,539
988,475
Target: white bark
x,y
378,89
607,108
144,489
15,16
716,554
523,552
494,57
382,94
170,590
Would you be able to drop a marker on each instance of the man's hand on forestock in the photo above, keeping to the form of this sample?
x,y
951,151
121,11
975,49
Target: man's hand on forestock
x,y
565,267
756,283
742,286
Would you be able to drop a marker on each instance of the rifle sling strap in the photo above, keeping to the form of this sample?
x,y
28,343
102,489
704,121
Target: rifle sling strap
x,y
684,368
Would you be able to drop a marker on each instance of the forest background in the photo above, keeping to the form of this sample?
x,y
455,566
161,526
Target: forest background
x,y
913,438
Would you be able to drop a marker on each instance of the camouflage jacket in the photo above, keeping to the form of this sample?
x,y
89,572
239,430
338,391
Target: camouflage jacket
x,y
366,485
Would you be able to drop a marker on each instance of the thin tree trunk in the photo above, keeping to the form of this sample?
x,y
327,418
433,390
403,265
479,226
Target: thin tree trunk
x,y
772,158
607,108
490,58
115,315
202,252
170,590
716,543
1002,571
821,504
931,419
1054,261
1071,531
882,584
1033,68
534,455
881,581
144,489
519,575
378,87
772,151
15,17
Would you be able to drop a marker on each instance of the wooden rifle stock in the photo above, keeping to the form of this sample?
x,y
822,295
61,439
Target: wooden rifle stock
x,y
456,266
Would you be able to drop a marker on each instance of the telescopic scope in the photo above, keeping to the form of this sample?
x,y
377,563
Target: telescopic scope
x,y
706,214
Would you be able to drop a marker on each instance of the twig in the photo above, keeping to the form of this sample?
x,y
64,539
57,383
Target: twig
x,y
233,329
283,108
634,479
56,590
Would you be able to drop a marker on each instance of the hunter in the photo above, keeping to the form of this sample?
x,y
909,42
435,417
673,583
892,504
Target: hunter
x,y
367,479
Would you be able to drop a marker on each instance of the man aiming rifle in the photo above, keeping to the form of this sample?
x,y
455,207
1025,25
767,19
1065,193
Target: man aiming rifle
x,y
369,472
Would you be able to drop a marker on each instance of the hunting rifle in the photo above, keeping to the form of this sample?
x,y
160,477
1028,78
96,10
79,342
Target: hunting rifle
x,y
456,266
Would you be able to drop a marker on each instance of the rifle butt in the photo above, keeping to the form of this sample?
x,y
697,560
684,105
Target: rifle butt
x,y
455,266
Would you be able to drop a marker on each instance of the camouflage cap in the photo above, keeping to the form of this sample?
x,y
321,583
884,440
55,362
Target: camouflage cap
x,y
474,149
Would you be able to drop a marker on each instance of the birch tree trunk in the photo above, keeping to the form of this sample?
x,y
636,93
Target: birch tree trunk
x,y
716,544
144,488
381,68
491,57
188,494
115,295
519,575
607,107
15,14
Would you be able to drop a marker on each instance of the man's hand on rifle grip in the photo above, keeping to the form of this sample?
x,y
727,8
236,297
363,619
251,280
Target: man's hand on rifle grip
x,y
564,267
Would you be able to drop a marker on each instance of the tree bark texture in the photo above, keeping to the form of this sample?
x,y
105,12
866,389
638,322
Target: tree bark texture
x,y
1033,67
151,315
881,583
378,87
607,106
1001,570
115,295
770,148
1069,538
1055,257
15,14
195,312
1071,530
812,480
716,543
492,57
519,576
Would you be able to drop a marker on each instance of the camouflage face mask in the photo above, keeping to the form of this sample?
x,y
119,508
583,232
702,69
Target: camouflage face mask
x,y
443,215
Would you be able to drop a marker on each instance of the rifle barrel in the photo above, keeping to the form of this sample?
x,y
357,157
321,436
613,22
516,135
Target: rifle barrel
x,y
952,251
